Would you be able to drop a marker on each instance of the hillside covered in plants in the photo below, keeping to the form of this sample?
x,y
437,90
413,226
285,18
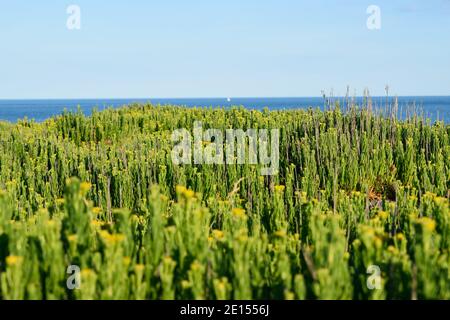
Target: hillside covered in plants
x,y
356,193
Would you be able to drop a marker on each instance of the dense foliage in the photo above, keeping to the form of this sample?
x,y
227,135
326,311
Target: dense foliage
x,y
355,190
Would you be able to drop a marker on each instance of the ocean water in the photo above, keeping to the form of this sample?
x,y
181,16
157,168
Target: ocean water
x,y
434,107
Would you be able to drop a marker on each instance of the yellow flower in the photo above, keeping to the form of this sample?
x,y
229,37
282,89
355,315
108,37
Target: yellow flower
x,y
238,212
428,223
139,268
60,201
171,229
289,295
383,215
10,183
184,192
85,187
126,261
242,238
189,194
111,238
375,220
440,200
400,236
301,194
392,205
279,188
221,284
50,223
97,223
43,212
13,260
86,272
168,259
218,234
429,195
378,242
180,189
135,218
117,237
196,266
72,238
367,230
392,249
280,233
185,284
96,210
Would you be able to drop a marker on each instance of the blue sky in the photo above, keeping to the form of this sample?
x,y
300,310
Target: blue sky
x,y
235,48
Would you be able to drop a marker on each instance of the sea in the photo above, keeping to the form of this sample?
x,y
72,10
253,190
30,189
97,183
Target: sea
x,y
433,107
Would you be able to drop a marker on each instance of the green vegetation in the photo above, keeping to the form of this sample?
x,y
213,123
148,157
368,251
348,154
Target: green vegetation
x,y
354,190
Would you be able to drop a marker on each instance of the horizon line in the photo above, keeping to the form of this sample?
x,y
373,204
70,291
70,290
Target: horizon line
x,y
225,97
